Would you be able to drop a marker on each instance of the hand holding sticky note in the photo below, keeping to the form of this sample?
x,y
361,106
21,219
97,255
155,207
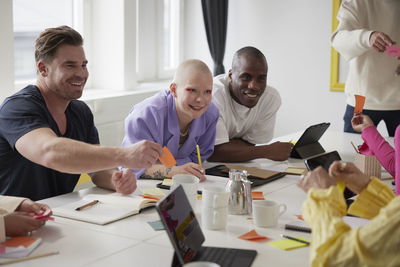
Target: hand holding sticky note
x,y
393,50
360,100
167,159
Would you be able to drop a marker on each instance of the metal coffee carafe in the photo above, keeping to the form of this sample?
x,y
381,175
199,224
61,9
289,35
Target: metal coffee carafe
x,y
240,193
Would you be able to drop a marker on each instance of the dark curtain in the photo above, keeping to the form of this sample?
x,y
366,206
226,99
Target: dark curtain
x,y
215,14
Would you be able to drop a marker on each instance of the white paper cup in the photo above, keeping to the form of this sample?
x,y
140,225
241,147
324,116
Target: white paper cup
x,y
214,197
189,184
267,212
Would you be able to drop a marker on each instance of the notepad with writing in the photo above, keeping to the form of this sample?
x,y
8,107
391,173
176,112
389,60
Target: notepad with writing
x,y
110,208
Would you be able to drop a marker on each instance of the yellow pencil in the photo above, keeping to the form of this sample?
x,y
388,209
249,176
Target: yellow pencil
x,y
198,155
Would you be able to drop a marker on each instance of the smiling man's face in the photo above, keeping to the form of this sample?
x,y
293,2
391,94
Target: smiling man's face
x,y
248,79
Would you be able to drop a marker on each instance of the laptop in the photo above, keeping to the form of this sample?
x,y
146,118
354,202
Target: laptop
x,y
186,236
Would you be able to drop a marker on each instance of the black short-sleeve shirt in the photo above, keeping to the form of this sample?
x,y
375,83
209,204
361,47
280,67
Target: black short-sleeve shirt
x,y
26,111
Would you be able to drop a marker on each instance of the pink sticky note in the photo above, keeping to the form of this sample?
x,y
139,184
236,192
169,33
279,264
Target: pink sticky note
x,y
45,216
393,50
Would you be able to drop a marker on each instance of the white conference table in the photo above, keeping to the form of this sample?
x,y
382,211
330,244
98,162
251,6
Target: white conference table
x,y
132,242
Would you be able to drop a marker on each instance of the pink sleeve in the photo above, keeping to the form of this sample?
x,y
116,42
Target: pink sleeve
x,y
380,148
397,156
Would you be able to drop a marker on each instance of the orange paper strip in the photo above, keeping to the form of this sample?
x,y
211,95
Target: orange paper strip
x,y
17,241
253,236
360,100
257,195
167,160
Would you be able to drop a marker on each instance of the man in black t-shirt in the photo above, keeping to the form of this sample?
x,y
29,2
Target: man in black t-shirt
x,y
47,137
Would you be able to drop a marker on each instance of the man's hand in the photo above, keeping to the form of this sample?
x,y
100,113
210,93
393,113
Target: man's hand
x,y
124,181
379,41
351,176
142,154
21,223
190,168
33,208
317,178
279,151
360,121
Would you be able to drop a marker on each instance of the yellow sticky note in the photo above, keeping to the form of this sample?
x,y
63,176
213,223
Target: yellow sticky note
x,y
287,244
167,182
296,171
152,192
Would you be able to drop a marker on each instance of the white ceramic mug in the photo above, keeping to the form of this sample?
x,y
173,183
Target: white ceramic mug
x,y
214,197
214,218
189,183
267,212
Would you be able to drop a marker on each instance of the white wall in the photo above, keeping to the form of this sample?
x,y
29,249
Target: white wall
x,y
294,36
6,50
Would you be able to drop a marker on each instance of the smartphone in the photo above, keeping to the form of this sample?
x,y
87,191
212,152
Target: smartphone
x,y
324,160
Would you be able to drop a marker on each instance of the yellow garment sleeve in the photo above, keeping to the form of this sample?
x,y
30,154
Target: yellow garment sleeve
x,y
334,243
371,200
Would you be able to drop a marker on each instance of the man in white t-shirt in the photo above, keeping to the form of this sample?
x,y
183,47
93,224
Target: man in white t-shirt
x,y
247,109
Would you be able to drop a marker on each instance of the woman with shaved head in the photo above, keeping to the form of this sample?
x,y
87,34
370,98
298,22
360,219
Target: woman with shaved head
x,y
179,118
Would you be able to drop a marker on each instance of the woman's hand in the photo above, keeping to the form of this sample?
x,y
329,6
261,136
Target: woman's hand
x,y
360,121
190,168
317,178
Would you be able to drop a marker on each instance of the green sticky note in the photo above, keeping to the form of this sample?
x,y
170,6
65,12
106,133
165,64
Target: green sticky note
x,y
156,225
287,244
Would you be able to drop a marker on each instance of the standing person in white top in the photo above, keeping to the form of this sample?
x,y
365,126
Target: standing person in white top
x,y
247,109
365,28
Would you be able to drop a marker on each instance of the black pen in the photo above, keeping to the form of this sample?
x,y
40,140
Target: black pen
x,y
295,239
94,202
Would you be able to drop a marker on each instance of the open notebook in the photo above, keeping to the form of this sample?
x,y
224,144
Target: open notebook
x,y
110,208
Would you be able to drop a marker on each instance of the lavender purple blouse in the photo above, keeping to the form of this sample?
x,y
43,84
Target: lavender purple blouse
x,y
155,119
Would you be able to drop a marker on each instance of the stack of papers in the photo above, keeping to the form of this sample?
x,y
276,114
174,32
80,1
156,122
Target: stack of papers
x,y
18,246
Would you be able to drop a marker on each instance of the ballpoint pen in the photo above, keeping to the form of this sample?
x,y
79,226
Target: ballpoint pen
x,y
295,239
94,202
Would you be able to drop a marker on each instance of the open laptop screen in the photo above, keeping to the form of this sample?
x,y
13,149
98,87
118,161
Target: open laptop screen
x,y
181,224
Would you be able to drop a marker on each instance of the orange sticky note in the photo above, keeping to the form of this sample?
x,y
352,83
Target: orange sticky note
x,y
17,241
360,100
167,160
253,236
257,195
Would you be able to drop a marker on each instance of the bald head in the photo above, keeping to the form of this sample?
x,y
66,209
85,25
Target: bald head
x,y
247,52
188,68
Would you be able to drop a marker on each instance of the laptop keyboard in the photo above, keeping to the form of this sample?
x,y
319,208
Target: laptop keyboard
x,y
222,256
